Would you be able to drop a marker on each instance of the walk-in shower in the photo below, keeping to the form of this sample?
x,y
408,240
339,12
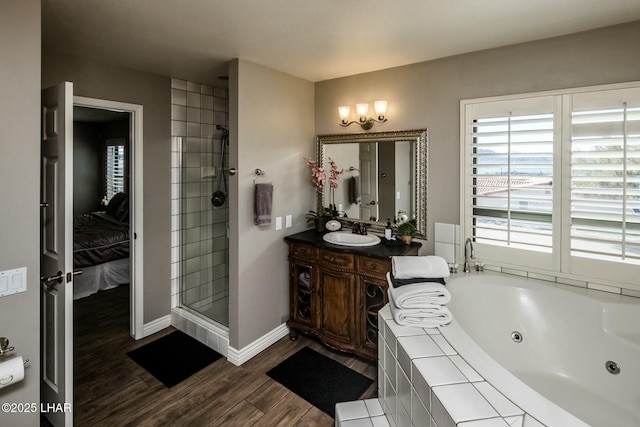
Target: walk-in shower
x,y
199,127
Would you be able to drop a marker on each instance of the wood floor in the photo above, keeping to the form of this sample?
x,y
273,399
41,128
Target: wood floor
x,y
112,390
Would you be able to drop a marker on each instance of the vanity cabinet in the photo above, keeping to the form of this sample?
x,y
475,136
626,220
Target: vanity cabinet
x,y
335,293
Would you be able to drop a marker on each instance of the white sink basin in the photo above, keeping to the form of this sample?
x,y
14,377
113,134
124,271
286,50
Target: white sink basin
x,y
346,238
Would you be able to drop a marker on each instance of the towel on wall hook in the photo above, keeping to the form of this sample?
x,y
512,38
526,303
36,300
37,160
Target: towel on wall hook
x,y
263,199
355,197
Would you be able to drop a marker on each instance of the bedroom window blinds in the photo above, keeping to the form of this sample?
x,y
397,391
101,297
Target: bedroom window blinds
x,y
114,178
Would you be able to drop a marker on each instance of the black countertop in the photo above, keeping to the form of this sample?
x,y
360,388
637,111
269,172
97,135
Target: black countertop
x,y
380,250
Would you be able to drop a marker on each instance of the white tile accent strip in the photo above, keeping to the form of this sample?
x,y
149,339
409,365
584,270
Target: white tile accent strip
x,y
439,371
466,369
619,290
503,405
463,402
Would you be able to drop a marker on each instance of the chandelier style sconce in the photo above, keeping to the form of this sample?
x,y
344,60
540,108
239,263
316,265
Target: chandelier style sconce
x,y
380,108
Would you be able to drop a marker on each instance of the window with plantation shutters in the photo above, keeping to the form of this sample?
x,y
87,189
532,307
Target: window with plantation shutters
x,y
605,175
115,173
512,175
551,182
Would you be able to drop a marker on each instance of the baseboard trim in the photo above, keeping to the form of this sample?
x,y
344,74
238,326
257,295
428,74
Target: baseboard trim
x,y
238,357
156,325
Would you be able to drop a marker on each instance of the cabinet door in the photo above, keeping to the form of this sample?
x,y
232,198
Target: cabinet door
x,y
337,307
373,296
302,298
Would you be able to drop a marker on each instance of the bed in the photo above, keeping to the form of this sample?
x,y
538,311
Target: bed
x,y
101,248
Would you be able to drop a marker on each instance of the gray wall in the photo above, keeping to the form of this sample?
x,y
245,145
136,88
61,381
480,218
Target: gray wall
x,y
153,92
271,128
428,94
19,193
87,167
89,161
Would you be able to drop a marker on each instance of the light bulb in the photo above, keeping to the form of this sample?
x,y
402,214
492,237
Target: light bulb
x,y
362,110
344,112
381,108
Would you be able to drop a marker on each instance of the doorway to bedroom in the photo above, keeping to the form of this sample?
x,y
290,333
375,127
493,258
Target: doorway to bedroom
x,y
101,189
107,152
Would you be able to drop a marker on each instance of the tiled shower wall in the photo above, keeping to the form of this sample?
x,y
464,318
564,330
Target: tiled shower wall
x,y
199,253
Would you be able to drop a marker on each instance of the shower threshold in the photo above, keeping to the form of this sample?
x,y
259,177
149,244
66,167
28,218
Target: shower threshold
x,y
207,331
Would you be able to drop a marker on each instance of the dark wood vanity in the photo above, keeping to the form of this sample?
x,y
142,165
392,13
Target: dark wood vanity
x,y
336,291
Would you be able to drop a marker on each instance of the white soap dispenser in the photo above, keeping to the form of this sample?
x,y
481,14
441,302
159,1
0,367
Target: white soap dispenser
x,y
387,230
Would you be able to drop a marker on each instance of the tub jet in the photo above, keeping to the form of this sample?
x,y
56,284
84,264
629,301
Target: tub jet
x,y
612,367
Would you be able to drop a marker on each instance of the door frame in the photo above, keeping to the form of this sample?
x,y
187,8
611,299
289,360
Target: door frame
x,y
136,311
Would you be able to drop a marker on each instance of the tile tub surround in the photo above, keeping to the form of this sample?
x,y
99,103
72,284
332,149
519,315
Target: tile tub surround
x,y
423,382
447,241
361,413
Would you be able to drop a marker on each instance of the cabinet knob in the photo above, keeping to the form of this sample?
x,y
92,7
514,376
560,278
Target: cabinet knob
x,y
373,266
332,259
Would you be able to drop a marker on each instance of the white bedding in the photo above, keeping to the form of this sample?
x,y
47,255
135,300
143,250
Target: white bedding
x,y
100,277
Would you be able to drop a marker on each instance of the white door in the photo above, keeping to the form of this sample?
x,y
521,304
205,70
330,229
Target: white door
x,y
56,254
369,180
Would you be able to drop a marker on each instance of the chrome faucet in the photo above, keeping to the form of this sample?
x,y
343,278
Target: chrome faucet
x,y
359,228
468,255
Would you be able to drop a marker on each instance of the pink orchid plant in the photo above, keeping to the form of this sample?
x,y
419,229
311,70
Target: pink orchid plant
x,y
319,179
334,174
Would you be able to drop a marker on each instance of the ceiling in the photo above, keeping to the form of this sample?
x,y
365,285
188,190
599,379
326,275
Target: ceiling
x,y
312,39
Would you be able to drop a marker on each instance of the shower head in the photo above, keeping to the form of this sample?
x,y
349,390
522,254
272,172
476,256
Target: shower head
x,y
225,134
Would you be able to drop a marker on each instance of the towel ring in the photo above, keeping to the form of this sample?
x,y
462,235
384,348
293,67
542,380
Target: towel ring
x,y
258,173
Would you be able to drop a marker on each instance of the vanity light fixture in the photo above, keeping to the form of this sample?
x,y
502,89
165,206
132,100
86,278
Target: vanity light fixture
x,y
362,109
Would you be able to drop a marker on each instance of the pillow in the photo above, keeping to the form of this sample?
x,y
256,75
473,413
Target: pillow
x,y
115,203
122,213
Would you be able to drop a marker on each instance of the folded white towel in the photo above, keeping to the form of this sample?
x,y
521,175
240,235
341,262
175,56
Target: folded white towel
x,y
418,295
411,267
429,317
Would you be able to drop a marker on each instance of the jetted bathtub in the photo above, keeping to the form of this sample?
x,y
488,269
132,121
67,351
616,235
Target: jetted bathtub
x,y
572,355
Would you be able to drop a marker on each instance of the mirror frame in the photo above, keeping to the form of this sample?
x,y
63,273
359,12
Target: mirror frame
x,y
420,137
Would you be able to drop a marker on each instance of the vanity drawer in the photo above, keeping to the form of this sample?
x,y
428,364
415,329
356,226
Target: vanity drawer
x,y
374,266
302,251
337,259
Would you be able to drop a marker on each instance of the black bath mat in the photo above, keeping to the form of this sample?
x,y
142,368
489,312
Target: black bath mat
x,y
320,380
174,357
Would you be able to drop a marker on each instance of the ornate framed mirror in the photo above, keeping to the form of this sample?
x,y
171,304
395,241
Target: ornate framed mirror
x,y
384,176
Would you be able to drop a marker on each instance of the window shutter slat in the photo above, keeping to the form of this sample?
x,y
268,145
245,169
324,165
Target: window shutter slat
x,y
605,178
512,180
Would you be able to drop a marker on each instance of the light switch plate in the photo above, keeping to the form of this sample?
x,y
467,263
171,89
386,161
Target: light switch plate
x,y
278,223
288,222
13,281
